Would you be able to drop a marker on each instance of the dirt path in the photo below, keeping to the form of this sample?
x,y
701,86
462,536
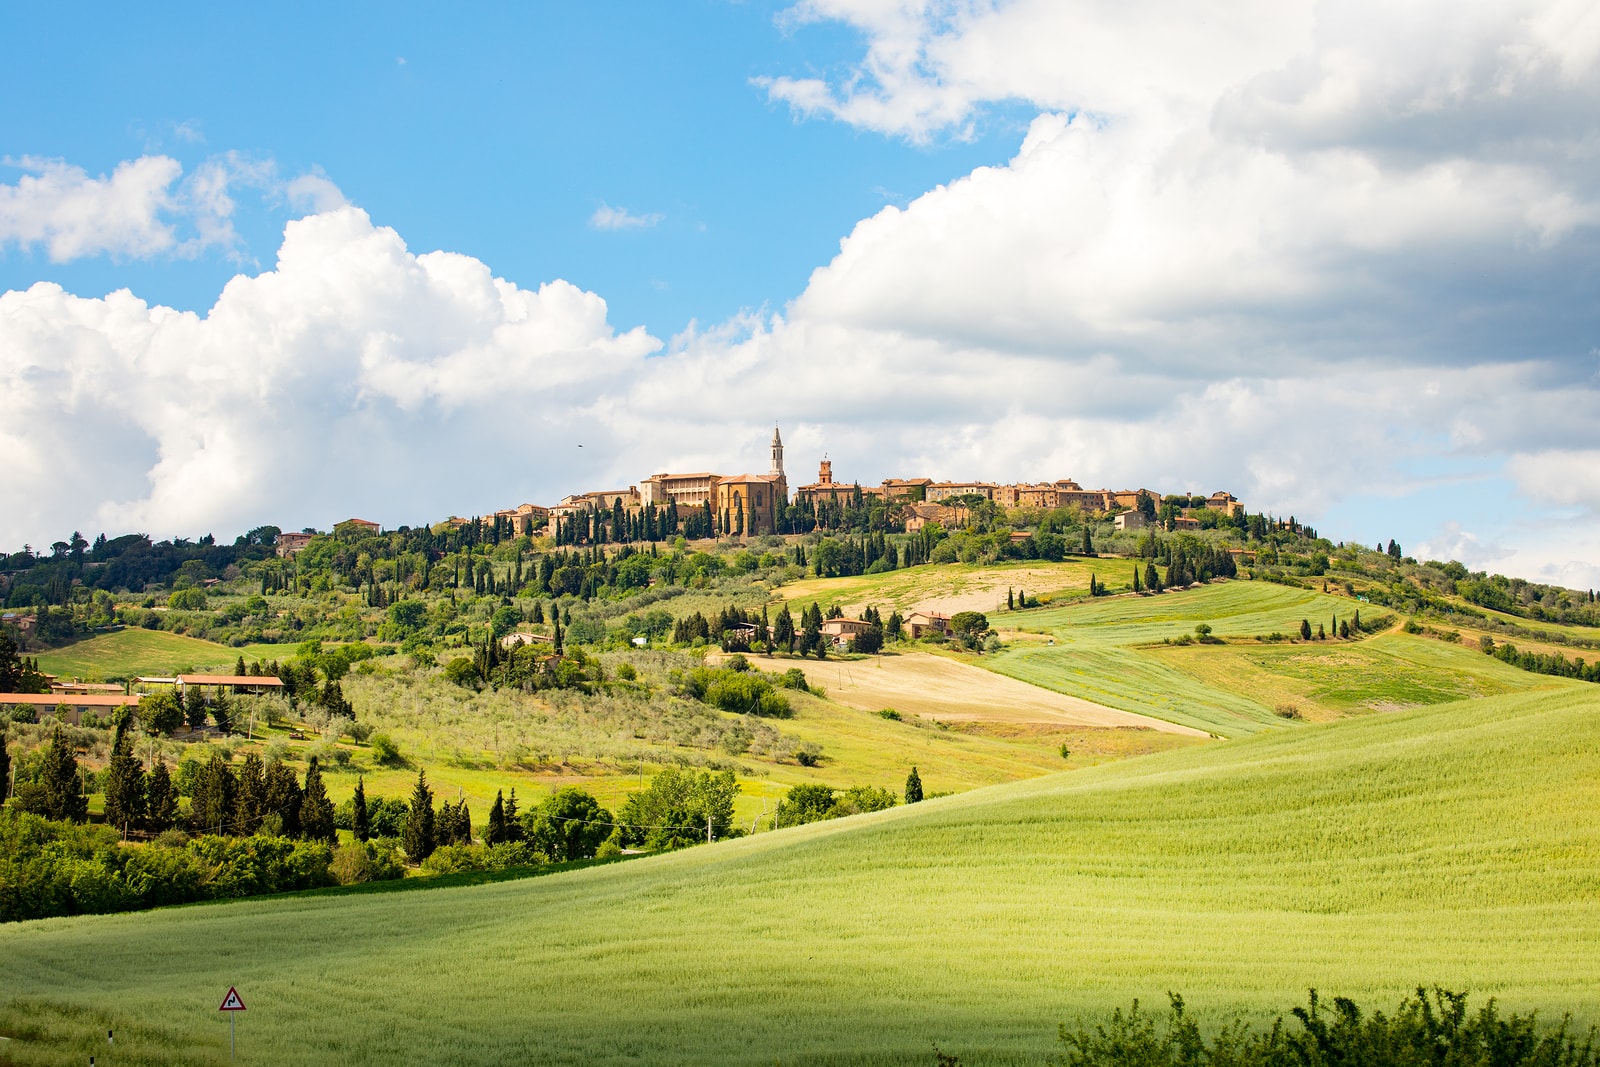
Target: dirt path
x,y
934,687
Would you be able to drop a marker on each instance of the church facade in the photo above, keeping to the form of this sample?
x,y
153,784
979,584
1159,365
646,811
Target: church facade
x,y
753,503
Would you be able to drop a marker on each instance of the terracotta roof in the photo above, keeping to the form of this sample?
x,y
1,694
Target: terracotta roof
x,y
78,700
227,679
751,477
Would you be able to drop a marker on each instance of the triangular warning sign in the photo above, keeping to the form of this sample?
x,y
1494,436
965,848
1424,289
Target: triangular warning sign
x,y
231,1002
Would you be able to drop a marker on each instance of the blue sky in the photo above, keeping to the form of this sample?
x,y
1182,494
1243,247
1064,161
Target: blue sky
x,y
1341,259
495,131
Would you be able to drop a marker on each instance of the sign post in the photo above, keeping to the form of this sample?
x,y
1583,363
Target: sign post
x,y
231,1004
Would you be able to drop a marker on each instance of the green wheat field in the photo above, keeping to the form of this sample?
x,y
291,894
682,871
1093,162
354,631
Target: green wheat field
x,y
1455,843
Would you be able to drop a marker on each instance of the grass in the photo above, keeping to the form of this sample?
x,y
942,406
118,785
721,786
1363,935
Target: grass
x,y
952,587
1109,651
126,653
1454,844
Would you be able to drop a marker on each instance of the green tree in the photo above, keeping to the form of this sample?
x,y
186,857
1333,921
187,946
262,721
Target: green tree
x,y
913,787
160,713
283,799
811,631
316,810
783,630
160,799
5,766
124,782
1145,505
1152,579
194,707
1305,629
1088,543
61,790
570,825
249,802
803,804
212,801
969,624
418,838
675,810
360,822
222,713
495,831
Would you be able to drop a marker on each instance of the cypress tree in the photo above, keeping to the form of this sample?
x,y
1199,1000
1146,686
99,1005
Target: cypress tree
x,y
1152,580
124,785
194,707
211,803
360,820
1305,629
913,787
238,667
5,766
1088,544
283,798
495,832
250,800
418,839
160,799
316,810
1094,585
1011,601
1355,623
513,828
1136,586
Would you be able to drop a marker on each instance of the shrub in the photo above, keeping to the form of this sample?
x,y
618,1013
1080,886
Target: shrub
x,y
384,749
462,671
626,672
890,713
365,861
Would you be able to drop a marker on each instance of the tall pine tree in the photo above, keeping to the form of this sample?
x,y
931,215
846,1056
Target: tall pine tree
x,y
5,766
63,794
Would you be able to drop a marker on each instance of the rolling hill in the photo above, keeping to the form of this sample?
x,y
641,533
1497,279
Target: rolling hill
x,y
1454,843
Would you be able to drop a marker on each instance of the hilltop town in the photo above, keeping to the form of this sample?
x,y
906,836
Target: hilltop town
x,y
700,504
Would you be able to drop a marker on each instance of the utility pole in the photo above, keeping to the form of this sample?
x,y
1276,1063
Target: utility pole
x,y
708,829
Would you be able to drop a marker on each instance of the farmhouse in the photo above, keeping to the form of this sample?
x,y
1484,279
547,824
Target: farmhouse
x,y
73,706
290,543
921,623
840,631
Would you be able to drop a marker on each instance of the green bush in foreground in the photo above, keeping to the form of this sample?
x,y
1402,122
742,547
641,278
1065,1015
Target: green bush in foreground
x,y
1430,1030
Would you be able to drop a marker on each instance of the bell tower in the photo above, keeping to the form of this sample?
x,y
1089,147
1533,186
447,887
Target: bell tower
x,y
777,452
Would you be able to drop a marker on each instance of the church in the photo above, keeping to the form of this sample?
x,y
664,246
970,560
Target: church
x,y
753,503
740,503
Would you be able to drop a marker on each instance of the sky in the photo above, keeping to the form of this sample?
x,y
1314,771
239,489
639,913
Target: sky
x,y
287,267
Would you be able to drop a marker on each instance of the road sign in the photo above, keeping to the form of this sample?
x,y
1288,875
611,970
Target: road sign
x,y
231,1002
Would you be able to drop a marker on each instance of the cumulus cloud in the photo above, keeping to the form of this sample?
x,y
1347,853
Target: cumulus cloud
x,y
354,377
606,217
144,208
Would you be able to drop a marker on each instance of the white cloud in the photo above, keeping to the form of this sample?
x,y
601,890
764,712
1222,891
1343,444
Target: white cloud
x,y
144,208
606,217
355,377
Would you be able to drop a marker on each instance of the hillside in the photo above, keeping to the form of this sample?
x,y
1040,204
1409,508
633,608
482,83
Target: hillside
x,y
1452,844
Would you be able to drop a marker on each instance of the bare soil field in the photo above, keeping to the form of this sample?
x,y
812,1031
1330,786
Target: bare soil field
x,y
934,687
